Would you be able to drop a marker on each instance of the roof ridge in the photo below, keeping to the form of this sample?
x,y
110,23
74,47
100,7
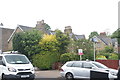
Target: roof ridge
x,y
24,26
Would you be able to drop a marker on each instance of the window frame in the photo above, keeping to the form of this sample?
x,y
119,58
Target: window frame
x,y
79,65
87,66
1,60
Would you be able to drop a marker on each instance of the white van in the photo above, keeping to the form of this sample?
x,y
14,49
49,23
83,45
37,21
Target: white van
x,y
15,66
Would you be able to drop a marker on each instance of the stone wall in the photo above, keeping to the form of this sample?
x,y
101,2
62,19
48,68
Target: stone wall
x,y
6,33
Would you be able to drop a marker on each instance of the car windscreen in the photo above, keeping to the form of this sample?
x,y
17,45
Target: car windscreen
x,y
99,65
16,59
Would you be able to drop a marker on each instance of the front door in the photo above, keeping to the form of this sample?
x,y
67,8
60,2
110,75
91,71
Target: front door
x,y
86,68
76,69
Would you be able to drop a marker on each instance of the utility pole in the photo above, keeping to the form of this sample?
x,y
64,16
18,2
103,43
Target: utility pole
x,y
94,51
95,40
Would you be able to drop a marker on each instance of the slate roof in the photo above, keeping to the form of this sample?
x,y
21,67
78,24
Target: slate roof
x,y
53,32
50,32
79,37
71,35
76,37
105,39
25,28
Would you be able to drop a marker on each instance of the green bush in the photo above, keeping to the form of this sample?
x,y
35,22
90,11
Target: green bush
x,y
44,61
113,56
101,57
109,49
106,55
67,57
27,42
110,56
89,56
119,56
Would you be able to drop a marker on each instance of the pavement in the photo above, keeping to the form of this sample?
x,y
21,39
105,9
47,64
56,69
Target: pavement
x,y
47,74
54,75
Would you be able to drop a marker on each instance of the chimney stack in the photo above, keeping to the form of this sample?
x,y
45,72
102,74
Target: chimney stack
x,y
103,34
68,29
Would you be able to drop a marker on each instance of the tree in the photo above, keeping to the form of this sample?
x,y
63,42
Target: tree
x,y
47,27
48,52
18,43
67,57
92,34
63,41
27,42
116,34
87,47
109,49
113,56
71,48
49,43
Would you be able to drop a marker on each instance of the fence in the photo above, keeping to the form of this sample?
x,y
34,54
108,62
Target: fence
x,y
110,63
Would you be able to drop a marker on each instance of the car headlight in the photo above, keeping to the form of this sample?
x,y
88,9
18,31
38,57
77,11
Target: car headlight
x,y
114,73
11,69
32,69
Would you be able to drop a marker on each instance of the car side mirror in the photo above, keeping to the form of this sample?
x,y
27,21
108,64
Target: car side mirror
x,y
1,63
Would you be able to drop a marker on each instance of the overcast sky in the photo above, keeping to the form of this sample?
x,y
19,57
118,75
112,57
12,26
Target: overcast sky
x,y
84,16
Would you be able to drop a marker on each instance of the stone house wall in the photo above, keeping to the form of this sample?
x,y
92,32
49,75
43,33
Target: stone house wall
x,y
10,45
100,45
5,36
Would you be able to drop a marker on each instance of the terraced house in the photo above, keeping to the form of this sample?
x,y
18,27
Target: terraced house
x,y
104,40
6,35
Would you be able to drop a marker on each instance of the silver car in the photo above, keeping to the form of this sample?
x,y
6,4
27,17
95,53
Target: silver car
x,y
82,70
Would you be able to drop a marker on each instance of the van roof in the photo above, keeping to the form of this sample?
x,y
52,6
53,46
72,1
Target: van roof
x,y
9,54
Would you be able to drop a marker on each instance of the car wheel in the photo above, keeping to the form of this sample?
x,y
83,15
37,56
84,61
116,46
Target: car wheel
x,y
69,76
3,77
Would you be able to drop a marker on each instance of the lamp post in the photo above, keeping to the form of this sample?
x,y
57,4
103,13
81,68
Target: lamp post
x,y
95,40
94,50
